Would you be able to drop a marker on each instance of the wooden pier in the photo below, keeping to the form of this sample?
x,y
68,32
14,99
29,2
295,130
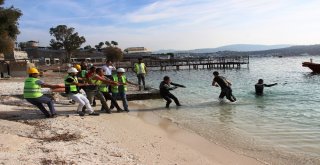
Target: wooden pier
x,y
232,62
190,63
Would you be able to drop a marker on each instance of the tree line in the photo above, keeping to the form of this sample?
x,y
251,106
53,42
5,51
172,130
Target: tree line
x,y
64,37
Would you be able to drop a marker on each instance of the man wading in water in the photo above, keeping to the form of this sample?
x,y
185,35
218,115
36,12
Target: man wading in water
x,y
260,85
225,86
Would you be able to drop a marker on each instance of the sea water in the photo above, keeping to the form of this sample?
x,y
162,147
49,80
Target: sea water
x,y
281,127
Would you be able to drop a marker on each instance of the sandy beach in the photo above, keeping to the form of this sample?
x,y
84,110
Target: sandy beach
x,y
138,137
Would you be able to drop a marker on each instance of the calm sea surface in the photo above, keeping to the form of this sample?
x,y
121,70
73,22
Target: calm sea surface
x,y
282,127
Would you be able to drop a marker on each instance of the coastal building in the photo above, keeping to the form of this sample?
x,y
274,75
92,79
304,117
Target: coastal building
x,y
46,56
136,52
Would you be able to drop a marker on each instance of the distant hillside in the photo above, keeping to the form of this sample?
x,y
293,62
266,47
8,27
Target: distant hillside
x,y
240,48
290,51
234,47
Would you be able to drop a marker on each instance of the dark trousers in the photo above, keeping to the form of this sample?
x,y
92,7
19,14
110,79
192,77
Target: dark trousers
x,y
38,102
141,78
108,96
123,97
228,93
110,78
168,98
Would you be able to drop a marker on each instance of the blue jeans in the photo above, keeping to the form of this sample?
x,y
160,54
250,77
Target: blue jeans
x,y
38,102
123,97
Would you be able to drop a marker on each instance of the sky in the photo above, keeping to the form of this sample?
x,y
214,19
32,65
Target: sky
x,y
173,24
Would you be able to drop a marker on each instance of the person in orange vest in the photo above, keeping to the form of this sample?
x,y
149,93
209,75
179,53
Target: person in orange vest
x,y
32,93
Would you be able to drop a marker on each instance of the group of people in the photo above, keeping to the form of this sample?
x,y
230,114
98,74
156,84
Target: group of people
x,y
105,83
108,83
226,90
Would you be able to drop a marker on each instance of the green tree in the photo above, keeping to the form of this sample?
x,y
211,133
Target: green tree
x,y
87,47
8,27
114,43
113,53
22,45
67,39
99,46
107,43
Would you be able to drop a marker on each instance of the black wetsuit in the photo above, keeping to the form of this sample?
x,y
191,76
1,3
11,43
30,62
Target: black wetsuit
x,y
259,88
165,93
225,88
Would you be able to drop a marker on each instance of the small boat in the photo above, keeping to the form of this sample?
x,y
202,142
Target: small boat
x,y
313,66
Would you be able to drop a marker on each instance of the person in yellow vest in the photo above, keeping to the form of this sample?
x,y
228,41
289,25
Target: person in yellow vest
x,y
72,89
32,93
120,90
93,90
104,89
81,75
141,70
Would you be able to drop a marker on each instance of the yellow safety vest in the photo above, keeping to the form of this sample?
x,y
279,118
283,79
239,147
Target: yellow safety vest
x,y
115,89
31,88
137,68
69,87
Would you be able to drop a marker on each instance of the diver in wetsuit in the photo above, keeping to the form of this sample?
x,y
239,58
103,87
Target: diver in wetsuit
x,y
225,86
260,85
165,91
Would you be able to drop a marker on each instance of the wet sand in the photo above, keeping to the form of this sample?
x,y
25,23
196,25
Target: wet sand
x,y
138,137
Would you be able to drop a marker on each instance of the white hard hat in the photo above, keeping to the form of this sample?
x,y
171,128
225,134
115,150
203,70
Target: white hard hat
x,y
72,70
121,70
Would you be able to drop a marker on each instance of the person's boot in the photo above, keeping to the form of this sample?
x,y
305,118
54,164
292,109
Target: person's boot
x,y
119,110
167,105
81,113
94,114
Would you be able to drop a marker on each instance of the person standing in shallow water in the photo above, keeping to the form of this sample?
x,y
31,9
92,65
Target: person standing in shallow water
x,y
165,91
225,86
260,86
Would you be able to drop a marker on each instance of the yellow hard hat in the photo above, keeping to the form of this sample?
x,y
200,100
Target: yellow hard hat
x,y
77,66
33,71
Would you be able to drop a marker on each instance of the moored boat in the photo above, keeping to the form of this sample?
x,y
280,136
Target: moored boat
x,y
313,66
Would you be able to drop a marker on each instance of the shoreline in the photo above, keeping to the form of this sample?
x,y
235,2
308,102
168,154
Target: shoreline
x,y
207,148
135,138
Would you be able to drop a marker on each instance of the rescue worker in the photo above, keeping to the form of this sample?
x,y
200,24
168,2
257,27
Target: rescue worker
x,y
260,86
165,91
103,88
32,93
120,90
93,89
81,75
141,70
72,89
225,86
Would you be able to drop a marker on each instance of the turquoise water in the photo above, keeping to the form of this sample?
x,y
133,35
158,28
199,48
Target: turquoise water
x,y
282,127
